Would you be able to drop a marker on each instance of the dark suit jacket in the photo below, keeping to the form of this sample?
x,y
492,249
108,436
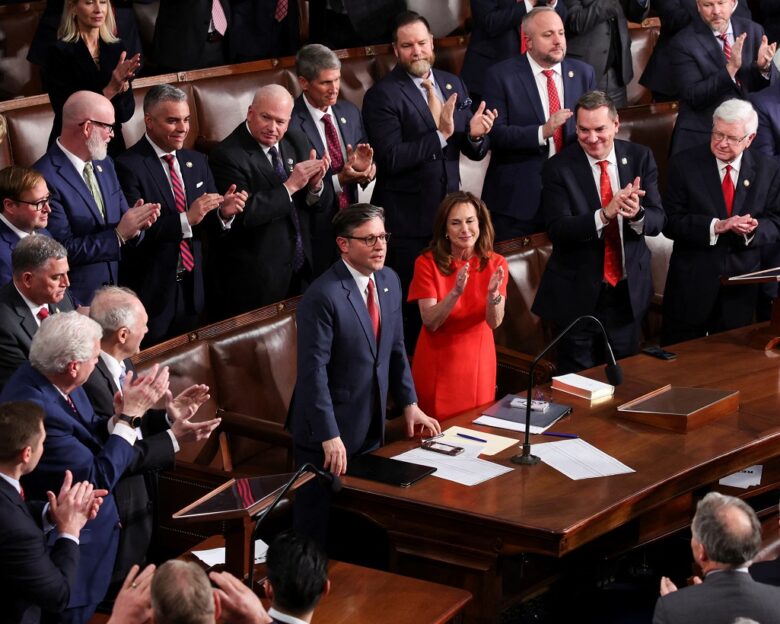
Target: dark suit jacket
x,y
371,20
414,173
77,442
75,221
720,599
589,33
255,34
8,242
252,261
767,105
513,181
699,67
675,15
31,579
349,122
343,375
17,328
495,36
572,280
69,68
136,490
766,572
150,267
693,199
180,33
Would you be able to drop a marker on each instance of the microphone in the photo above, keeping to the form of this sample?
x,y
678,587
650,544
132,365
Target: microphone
x,y
612,369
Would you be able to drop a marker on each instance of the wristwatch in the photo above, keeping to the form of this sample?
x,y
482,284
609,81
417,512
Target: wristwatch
x,y
497,300
133,421
639,215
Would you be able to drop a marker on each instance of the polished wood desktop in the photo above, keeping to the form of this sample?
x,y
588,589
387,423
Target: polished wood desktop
x,y
464,535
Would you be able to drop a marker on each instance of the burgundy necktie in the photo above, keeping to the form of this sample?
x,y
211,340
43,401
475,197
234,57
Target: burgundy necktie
x,y
21,492
281,10
728,190
555,106
613,262
336,157
43,313
187,259
218,17
373,309
71,403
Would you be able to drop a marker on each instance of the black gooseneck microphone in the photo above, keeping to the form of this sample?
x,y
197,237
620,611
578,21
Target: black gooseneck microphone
x,y
612,369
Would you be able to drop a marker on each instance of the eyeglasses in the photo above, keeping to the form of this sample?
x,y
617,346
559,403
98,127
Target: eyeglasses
x,y
371,239
719,137
37,205
100,124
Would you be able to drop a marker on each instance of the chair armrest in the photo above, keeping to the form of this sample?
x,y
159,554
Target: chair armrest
x,y
254,428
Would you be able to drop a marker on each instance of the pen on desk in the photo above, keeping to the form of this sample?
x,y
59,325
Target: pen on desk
x,y
555,434
468,437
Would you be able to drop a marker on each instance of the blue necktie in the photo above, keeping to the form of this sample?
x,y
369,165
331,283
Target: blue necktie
x,y
298,256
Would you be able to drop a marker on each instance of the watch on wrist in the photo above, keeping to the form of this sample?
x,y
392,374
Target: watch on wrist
x,y
133,421
640,214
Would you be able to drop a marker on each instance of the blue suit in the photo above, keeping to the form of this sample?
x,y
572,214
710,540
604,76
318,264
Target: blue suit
x,y
150,268
77,442
495,36
349,123
513,182
8,242
699,67
75,220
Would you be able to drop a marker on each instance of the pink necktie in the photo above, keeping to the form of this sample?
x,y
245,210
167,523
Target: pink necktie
x,y
187,259
373,309
613,262
218,17
281,10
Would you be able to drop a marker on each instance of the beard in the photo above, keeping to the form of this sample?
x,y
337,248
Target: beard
x,y
420,67
97,147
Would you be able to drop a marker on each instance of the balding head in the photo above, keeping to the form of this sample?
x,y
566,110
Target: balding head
x,y
181,592
87,120
123,319
727,530
269,114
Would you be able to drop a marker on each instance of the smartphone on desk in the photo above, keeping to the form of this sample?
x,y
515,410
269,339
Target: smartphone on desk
x,y
661,354
441,447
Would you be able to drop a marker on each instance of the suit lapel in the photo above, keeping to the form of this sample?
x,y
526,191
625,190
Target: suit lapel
x,y
309,127
710,180
355,299
707,40
585,180
106,376
190,179
350,132
154,166
26,319
410,91
256,155
742,189
68,173
112,208
529,83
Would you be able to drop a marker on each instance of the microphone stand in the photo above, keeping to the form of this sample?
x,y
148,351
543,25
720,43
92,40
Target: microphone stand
x,y
614,374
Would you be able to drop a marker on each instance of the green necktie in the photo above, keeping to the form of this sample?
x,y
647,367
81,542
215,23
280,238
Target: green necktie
x,y
92,185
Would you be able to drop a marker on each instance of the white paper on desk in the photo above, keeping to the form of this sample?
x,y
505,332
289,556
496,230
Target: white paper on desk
x,y
216,556
744,479
579,460
490,421
495,443
460,469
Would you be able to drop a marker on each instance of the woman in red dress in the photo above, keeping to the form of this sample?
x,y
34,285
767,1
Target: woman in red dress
x,y
459,283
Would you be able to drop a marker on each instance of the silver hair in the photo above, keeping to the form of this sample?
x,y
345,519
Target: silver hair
x,y
313,58
736,111
112,307
723,542
33,252
162,93
63,338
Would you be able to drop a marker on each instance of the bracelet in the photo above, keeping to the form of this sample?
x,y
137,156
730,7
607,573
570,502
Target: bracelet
x,y
496,300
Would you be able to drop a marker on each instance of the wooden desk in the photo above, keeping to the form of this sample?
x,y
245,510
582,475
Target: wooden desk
x,y
442,530
361,594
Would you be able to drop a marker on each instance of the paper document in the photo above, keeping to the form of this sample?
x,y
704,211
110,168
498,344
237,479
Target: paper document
x,y
749,477
216,556
460,468
495,443
490,421
579,460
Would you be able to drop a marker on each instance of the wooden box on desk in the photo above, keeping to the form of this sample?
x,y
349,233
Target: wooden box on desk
x,y
680,409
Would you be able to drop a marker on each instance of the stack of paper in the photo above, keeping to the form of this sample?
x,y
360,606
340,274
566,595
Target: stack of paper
x,y
459,468
584,387
579,460
216,556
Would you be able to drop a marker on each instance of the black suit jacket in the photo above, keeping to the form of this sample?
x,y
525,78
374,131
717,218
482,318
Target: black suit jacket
x,y
136,491
252,261
17,328
255,34
32,577
572,280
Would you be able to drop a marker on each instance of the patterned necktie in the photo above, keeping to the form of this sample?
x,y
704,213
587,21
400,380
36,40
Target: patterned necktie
x,y
728,190
298,257
336,157
281,10
71,403
122,375
613,261
218,17
555,106
43,313
726,46
94,189
185,251
373,309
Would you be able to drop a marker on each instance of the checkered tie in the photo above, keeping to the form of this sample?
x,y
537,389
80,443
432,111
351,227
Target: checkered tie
x,y
336,157
281,10
298,257
555,106
187,259
613,257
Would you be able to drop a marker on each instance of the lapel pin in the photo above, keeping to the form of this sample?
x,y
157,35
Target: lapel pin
x,y
448,86
571,74
188,164
746,182
624,161
100,169
342,120
385,289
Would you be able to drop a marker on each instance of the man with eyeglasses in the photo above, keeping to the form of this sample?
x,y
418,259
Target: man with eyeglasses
x,y
722,205
24,210
89,214
351,354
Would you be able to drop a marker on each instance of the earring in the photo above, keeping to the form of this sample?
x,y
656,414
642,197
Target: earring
x,y
447,236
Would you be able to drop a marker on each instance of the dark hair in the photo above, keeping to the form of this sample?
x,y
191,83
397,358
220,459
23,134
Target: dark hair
x,y
313,58
33,252
162,93
345,221
297,572
20,426
595,99
440,246
406,18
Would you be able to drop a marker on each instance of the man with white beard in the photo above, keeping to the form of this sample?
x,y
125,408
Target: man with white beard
x,y
89,214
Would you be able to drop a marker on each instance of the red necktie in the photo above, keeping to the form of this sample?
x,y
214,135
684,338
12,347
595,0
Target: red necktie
x,y
728,190
613,262
281,10
218,17
21,492
71,403
336,157
373,309
726,46
555,106
43,313
520,30
187,259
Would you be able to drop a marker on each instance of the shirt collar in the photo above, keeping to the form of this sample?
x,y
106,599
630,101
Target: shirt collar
x,y
20,233
735,164
362,280
537,69
114,367
14,483
77,163
34,307
284,617
611,158
316,113
157,150
729,32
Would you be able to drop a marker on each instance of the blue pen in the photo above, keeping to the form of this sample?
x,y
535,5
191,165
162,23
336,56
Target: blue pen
x,y
555,434
468,437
